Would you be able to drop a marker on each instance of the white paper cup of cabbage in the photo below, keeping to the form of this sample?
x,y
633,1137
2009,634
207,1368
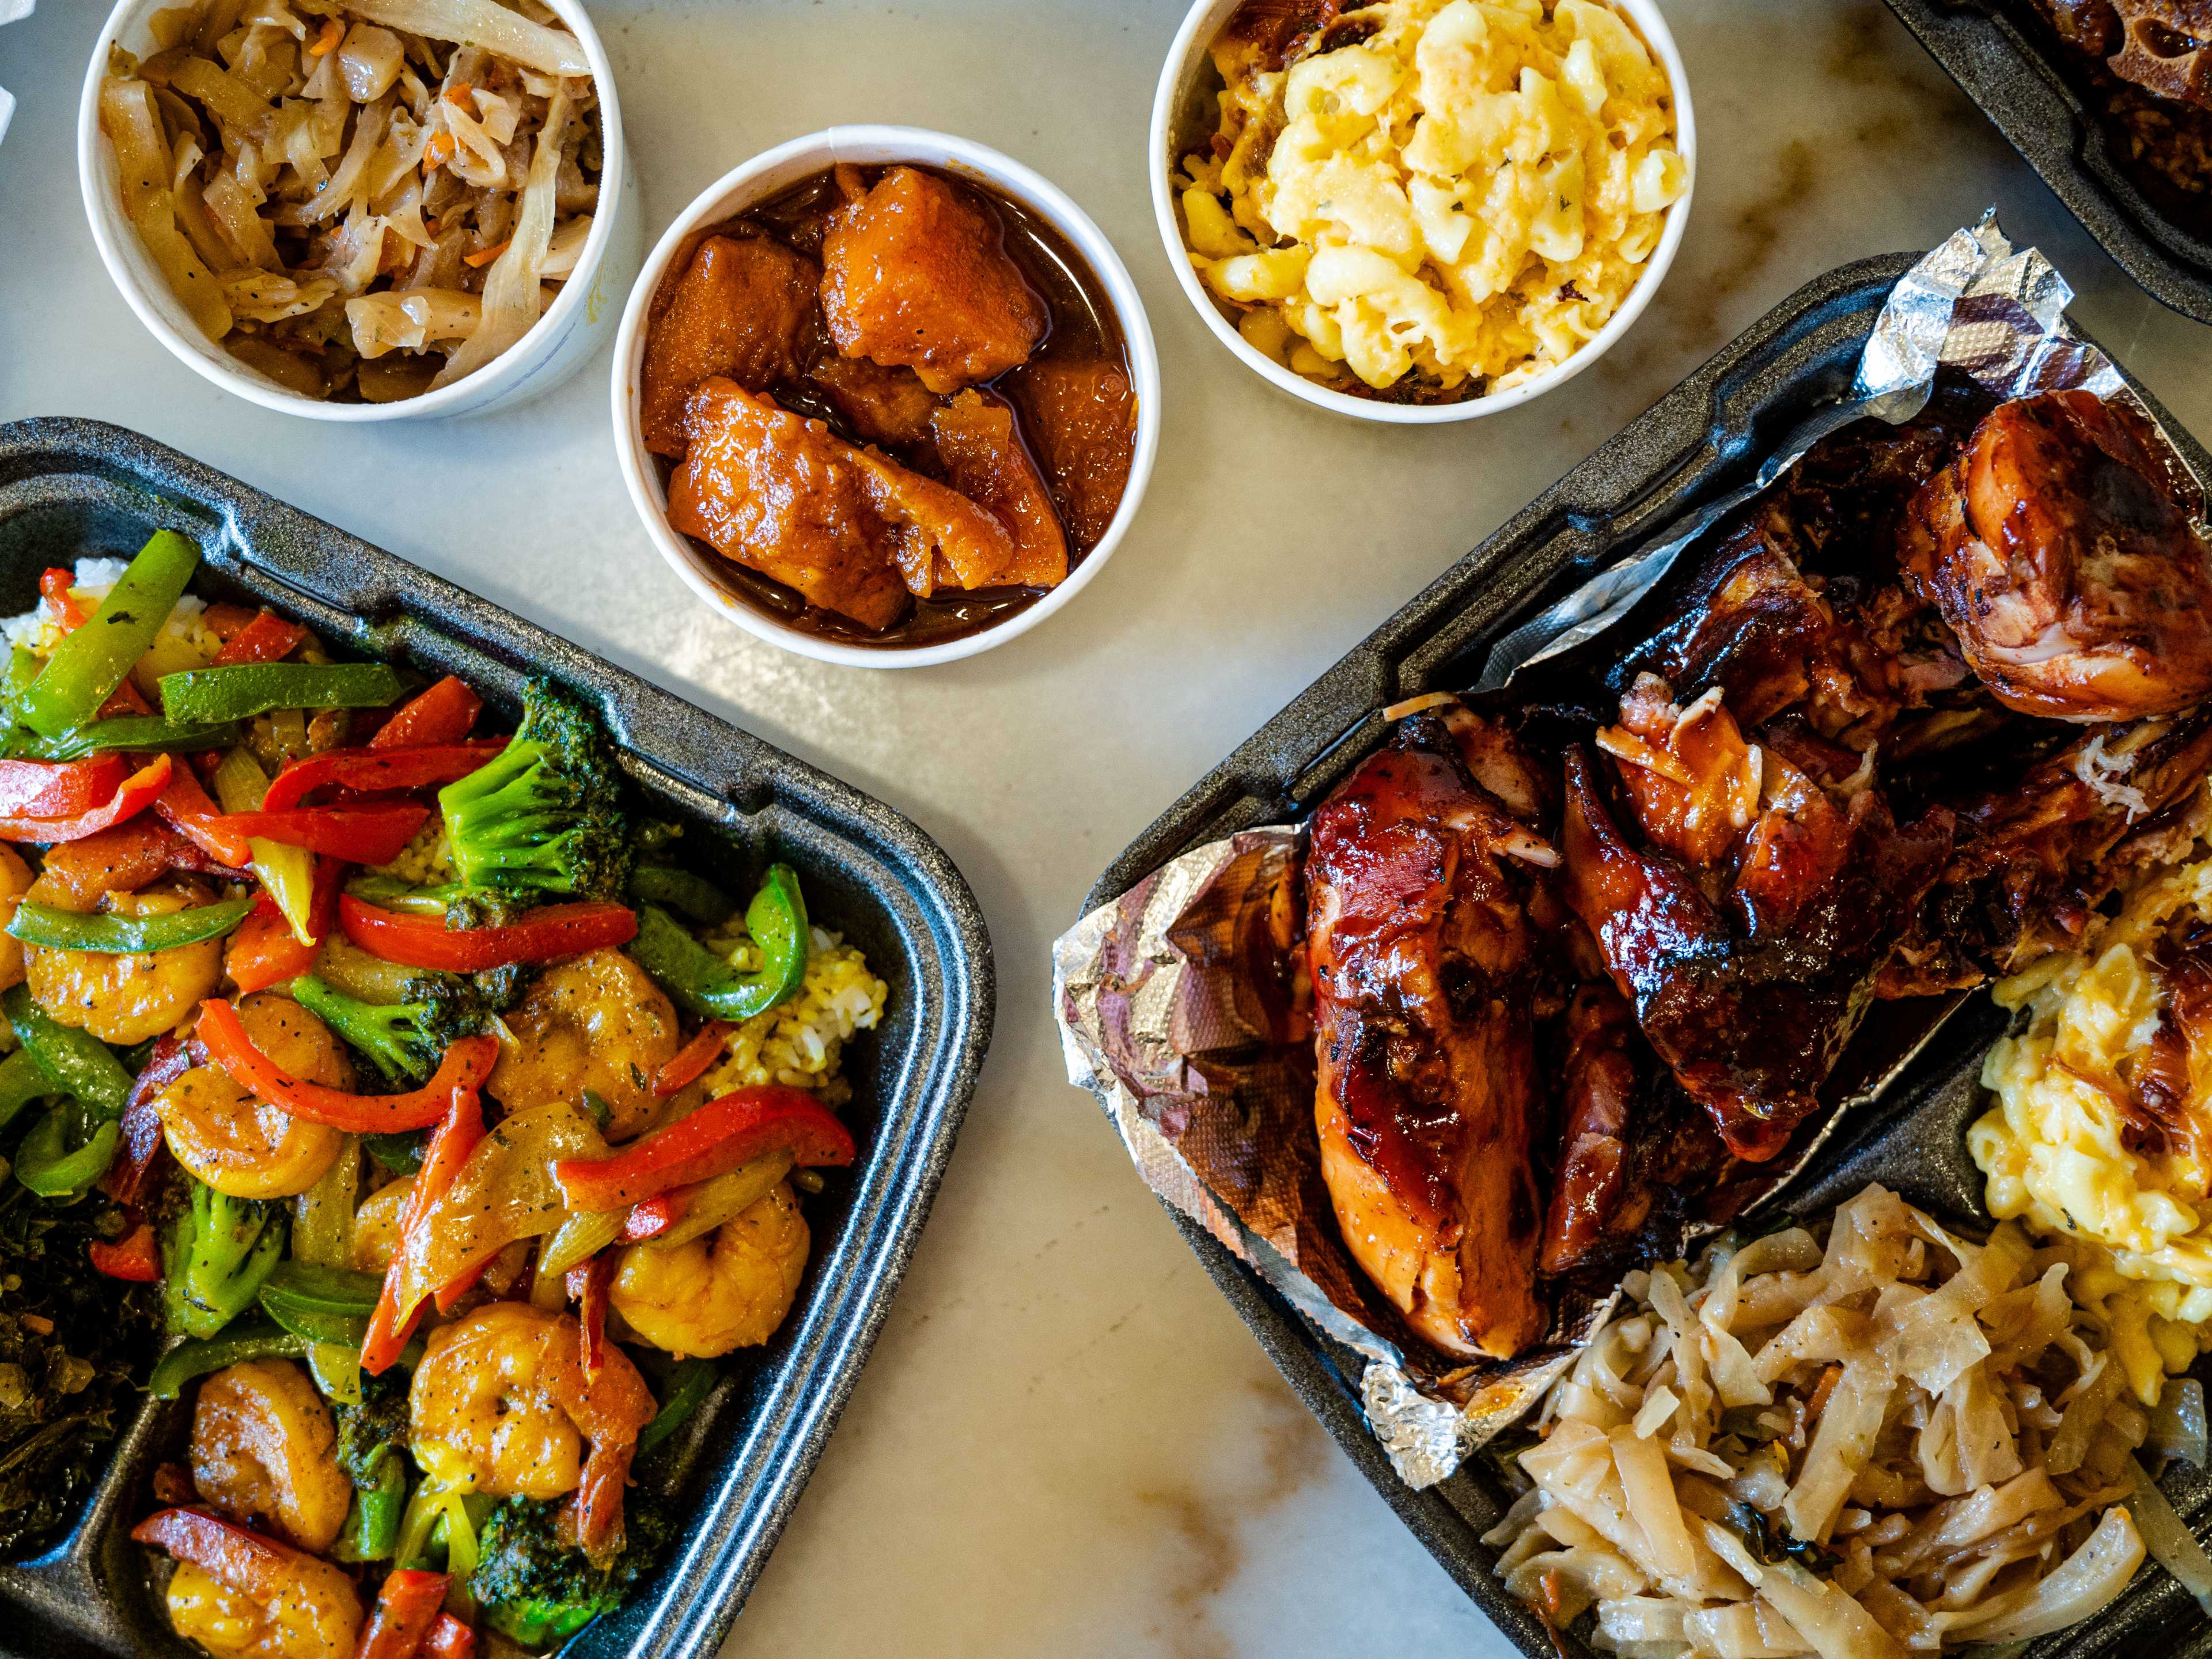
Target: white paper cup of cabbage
x,y
764,177
578,321
1182,119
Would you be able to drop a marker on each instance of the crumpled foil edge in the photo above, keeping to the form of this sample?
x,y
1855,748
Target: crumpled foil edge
x,y
1121,982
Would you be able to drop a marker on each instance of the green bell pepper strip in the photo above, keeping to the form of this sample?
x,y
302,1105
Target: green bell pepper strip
x,y
692,897
44,1164
21,1082
202,696
140,733
76,1062
87,666
708,986
689,1385
371,1532
324,1305
125,936
255,1340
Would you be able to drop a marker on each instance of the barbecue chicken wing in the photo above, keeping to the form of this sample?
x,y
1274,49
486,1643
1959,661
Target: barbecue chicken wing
x,y
2058,551
1425,968
1747,917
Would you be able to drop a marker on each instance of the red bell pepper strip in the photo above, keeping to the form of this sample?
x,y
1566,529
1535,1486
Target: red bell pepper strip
x,y
588,1283
140,1141
264,951
466,1063
48,789
458,1134
246,1561
692,1060
716,1138
54,586
133,1256
185,807
377,771
358,835
267,638
449,1639
443,714
552,931
139,791
649,1217
406,1608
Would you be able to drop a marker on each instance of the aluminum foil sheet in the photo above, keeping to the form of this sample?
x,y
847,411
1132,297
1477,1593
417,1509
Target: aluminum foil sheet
x,y
1182,1007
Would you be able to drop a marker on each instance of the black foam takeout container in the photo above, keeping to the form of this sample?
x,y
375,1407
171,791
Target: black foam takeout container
x,y
73,487
2010,67
1705,437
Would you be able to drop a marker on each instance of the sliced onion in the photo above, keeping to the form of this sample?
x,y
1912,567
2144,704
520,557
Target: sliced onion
x,y
2177,1427
2169,1542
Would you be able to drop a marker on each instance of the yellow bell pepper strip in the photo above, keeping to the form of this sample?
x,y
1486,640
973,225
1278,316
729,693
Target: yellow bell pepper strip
x,y
719,1137
205,695
87,666
50,929
287,873
466,1064
139,791
708,986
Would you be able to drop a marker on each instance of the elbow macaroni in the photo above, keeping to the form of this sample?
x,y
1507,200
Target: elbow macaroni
x,y
1468,194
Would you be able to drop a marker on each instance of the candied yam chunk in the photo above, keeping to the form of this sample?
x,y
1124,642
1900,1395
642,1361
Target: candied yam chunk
x,y
985,459
884,405
915,273
845,527
740,310
1084,419
775,492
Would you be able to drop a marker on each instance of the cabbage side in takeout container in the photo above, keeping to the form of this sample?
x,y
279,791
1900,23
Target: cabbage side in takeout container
x,y
1174,993
73,487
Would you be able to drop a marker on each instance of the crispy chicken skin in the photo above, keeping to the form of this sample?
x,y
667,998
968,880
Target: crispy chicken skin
x,y
2056,550
741,310
776,492
1423,970
1747,918
1598,1091
917,274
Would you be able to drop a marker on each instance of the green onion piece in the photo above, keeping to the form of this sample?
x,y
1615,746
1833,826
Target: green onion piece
x,y
390,893
701,981
693,897
44,1164
87,666
76,1062
54,929
142,733
21,1082
689,1385
255,1341
202,696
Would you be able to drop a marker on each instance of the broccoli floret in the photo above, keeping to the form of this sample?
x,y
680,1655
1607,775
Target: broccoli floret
x,y
537,1590
373,1429
406,1040
545,815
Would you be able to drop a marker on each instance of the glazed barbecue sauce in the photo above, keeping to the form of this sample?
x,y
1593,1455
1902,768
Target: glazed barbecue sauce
x,y
1072,396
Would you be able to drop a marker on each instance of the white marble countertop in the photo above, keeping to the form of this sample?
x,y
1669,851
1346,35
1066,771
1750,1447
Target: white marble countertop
x,y
1065,1443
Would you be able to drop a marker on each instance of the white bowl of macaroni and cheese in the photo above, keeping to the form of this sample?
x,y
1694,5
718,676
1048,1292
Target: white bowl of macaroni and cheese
x,y
1422,210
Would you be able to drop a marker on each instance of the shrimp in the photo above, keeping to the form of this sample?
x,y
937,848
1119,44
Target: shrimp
x,y
246,1147
264,1449
14,881
501,1404
376,1225
124,999
596,1024
306,1609
727,1289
